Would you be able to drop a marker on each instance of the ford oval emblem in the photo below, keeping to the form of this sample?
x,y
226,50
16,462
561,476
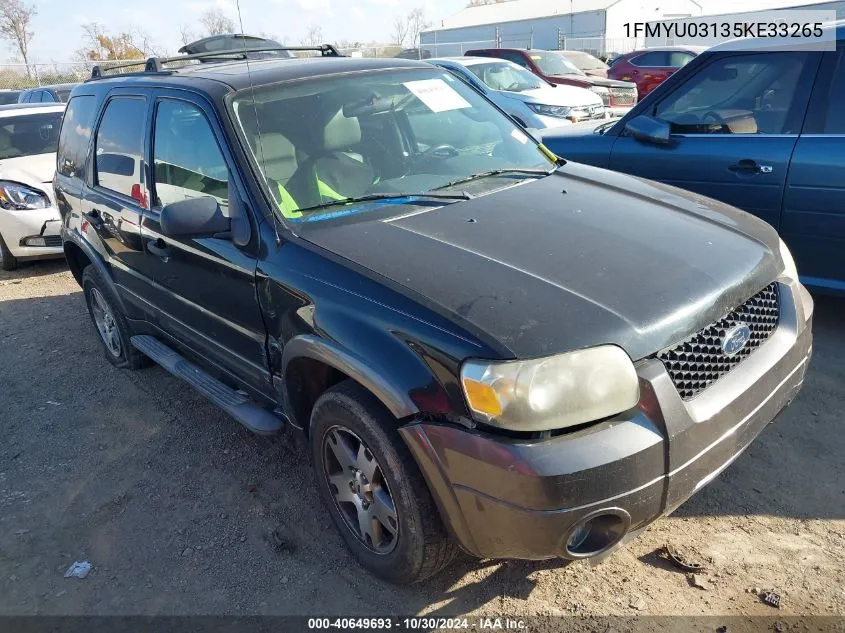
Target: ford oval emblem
x,y
735,339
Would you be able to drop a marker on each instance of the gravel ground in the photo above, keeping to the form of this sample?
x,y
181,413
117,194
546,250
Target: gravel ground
x,y
181,511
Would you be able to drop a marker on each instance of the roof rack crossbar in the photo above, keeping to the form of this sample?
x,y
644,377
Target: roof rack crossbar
x,y
156,64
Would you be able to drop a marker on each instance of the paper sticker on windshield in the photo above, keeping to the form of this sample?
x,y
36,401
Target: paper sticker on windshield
x,y
519,136
437,95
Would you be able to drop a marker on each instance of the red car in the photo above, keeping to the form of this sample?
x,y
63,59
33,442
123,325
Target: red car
x,y
648,68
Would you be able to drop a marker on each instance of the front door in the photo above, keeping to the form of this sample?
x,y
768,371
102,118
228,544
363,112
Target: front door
x,y
201,290
734,124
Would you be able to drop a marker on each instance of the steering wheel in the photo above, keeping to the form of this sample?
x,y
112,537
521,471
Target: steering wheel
x,y
715,117
438,151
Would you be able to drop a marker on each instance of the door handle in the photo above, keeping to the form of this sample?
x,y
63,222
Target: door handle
x,y
748,166
94,219
159,249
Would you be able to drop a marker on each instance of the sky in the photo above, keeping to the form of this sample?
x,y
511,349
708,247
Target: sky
x,y
58,23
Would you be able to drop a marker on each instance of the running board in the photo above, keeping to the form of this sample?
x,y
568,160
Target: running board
x,y
255,418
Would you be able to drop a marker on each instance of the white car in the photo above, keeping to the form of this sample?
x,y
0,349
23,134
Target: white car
x,y
532,101
29,221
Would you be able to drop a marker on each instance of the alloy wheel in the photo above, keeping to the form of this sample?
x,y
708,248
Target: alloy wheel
x,y
360,490
105,322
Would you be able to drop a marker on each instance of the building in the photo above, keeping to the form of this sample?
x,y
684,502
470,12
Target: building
x,y
596,26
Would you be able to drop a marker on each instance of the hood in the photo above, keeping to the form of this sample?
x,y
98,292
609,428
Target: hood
x,y
560,95
580,258
36,171
584,128
598,72
591,80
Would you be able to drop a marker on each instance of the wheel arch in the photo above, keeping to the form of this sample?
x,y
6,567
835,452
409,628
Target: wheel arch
x,y
311,364
80,254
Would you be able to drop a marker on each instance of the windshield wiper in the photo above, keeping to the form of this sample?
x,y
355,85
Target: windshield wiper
x,y
388,196
497,172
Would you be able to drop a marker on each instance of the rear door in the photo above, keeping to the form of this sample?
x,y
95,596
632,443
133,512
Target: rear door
x,y
200,291
734,124
813,224
114,199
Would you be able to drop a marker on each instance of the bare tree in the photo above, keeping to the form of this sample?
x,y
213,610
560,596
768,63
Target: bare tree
x,y
313,36
15,19
215,22
416,24
479,3
98,45
186,35
400,31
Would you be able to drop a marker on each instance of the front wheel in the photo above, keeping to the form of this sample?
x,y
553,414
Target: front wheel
x,y
373,489
10,262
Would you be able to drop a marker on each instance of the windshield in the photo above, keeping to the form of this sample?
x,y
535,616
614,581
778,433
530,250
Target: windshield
x,y
9,97
506,76
29,134
583,61
321,141
553,64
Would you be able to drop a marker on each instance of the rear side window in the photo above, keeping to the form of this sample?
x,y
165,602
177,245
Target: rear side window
x,y
654,58
678,59
120,142
75,135
187,161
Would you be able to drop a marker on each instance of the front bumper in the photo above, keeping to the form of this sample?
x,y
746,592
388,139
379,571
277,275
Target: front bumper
x,y
18,229
509,498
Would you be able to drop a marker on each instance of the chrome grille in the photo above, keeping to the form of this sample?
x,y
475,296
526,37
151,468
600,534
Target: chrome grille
x,y
623,96
699,361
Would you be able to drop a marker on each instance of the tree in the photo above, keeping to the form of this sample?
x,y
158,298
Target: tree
x,y
481,3
134,43
186,35
15,19
215,22
416,24
313,36
400,31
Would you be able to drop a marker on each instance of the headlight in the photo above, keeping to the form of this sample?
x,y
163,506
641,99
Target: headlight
x,y
554,392
550,110
789,269
17,197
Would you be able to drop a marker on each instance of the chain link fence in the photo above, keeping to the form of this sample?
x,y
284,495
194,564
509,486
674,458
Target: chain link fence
x,y
22,76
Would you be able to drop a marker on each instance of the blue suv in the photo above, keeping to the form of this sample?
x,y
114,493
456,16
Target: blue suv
x,y
760,129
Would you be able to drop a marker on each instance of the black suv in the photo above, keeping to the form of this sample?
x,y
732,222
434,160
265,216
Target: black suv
x,y
484,345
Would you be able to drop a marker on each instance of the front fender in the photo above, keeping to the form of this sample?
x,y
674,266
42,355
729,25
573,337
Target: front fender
x,y
391,395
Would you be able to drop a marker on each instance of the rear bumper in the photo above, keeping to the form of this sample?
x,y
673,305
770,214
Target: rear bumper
x,y
505,498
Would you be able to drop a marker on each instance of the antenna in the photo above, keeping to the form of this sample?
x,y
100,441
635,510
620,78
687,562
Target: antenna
x,y
263,165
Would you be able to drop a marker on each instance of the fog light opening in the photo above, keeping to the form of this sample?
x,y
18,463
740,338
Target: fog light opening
x,y
597,532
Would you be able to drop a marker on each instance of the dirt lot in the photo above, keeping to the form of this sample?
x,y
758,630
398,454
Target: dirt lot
x,y
173,502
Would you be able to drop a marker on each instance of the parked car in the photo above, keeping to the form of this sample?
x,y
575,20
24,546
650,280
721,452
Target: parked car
x,y
555,68
484,346
650,67
757,129
29,220
9,96
414,53
586,63
58,93
531,101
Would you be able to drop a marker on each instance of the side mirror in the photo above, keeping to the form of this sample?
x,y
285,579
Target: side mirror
x,y
194,217
648,129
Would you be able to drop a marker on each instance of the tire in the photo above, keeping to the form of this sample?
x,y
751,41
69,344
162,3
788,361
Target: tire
x,y
420,546
10,262
109,322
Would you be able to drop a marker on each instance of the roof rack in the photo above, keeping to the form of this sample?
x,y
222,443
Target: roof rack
x,y
156,64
